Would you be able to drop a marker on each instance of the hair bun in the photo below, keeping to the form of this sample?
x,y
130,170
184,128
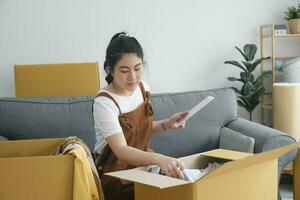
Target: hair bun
x,y
118,35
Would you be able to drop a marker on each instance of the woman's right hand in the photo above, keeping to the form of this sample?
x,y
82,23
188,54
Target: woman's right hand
x,y
170,166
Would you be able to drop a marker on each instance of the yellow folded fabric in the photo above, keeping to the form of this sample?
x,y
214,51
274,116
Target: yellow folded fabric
x,y
84,184
87,185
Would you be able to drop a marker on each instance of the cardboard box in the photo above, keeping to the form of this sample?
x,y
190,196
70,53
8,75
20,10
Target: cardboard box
x,y
296,175
243,176
52,80
28,171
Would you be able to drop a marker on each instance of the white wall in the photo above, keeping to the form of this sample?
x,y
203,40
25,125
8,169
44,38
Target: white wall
x,y
185,42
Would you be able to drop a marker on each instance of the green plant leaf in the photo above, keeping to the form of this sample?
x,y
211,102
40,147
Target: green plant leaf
x,y
237,91
292,13
248,65
250,103
252,78
249,95
246,103
253,106
256,93
235,63
245,76
257,62
241,103
248,88
234,79
260,78
245,56
250,51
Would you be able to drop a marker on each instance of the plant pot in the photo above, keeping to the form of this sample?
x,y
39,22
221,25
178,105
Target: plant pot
x,y
294,25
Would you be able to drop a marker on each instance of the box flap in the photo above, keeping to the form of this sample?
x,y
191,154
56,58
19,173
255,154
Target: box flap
x,y
141,175
227,154
251,160
27,148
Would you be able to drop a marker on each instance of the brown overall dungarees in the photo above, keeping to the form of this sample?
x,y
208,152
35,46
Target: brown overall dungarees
x,y
137,129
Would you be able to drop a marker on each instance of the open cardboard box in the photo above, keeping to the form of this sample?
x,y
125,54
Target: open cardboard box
x,y
28,170
242,176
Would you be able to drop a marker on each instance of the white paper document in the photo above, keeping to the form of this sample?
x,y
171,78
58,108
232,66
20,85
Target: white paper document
x,y
195,109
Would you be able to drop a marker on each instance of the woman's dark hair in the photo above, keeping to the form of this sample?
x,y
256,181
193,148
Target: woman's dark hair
x,y
120,44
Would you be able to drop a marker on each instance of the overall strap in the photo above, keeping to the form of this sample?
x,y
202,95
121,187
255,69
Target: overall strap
x,y
105,94
145,96
101,159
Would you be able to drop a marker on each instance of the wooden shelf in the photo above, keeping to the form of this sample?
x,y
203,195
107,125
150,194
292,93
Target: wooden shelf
x,y
287,36
269,44
285,57
280,36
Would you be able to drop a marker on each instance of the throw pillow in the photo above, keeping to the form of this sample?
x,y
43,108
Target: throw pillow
x,y
233,140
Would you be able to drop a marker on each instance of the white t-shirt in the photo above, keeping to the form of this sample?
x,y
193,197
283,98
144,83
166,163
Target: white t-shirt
x,y
106,114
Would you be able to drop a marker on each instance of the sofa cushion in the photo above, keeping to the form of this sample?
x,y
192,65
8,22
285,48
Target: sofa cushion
x,y
233,140
202,131
30,118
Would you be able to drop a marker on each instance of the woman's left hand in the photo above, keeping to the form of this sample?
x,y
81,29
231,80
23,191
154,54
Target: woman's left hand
x,y
170,122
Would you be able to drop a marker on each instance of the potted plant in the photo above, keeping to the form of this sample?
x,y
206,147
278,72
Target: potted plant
x,y
252,89
293,18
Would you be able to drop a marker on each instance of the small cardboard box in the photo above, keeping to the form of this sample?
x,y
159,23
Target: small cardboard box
x,y
242,176
28,171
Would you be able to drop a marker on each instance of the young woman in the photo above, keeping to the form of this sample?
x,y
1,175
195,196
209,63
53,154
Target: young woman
x,y
123,119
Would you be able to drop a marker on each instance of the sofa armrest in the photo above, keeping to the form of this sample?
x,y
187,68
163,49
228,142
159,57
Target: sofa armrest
x,y
265,138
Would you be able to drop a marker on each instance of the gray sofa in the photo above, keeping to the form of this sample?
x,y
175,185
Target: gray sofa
x,y
27,118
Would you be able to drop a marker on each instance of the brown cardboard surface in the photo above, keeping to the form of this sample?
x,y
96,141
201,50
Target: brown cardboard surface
x,y
66,79
21,148
182,192
286,108
296,173
248,177
251,160
141,175
227,154
245,184
256,182
29,172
